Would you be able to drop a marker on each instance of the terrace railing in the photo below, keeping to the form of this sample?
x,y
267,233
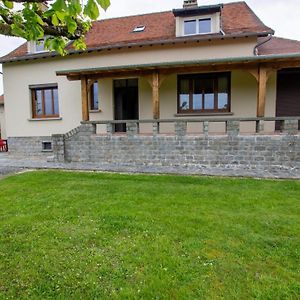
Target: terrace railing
x,y
203,125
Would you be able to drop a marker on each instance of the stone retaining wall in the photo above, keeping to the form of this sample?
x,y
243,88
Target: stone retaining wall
x,y
30,147
181,150
230,150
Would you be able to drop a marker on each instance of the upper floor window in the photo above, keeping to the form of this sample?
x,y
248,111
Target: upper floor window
x,y
44,101
200,93
40,45
197,26
37,46
94,96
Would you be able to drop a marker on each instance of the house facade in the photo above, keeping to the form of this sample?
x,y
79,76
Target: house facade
x,y
218,61
2,118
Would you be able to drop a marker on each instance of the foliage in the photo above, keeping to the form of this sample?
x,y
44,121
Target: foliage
x,y
67,235
60,21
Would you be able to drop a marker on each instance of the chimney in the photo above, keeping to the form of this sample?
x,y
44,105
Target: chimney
x,y
190,3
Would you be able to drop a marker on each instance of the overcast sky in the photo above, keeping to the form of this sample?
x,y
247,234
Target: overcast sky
x,y
281,15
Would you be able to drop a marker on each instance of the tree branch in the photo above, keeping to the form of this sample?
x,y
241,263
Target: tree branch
x,y
5,30
29,1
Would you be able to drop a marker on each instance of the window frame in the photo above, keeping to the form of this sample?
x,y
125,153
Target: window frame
x,y
204,76
43,88
197,20
91,97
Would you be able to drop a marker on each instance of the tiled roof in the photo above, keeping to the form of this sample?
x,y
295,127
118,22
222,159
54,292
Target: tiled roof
x,y
237,18
278,46
1,99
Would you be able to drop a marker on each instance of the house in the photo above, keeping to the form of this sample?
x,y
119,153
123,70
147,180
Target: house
x,y
218,61
2,118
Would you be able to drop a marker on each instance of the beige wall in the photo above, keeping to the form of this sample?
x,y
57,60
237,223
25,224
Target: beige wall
x,y
243,102
18,77
2,122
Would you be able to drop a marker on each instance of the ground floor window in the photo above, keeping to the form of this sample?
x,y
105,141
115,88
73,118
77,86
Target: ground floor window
x,y
200,93
94,96
44,101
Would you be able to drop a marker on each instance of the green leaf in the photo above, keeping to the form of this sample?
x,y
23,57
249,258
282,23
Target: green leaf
x,y
8,4
104,3
61,15
77,6
48,13
59,5
79,44
91,10
39,20
17,30
72,25
55,20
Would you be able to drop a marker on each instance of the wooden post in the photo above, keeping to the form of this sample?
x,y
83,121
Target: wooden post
x,y
84,99
262,91
155,95
261,74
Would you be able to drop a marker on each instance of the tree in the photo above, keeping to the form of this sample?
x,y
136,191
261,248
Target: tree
x,y
58,21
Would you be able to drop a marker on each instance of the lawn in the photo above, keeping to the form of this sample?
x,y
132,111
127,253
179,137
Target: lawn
x,y
70,235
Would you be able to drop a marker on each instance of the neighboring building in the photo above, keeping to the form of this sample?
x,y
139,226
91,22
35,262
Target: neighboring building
x,y
2,118
217,60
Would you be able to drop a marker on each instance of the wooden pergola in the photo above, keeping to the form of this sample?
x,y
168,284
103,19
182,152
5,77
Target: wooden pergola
x,y
261,67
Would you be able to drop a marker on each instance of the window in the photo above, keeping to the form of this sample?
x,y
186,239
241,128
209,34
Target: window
x,y
94,96
190,27
197,26
140,28
44,101
39,46
46,146
198,93
204,26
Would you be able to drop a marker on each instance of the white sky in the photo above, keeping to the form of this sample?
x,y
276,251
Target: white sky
x,y
281,15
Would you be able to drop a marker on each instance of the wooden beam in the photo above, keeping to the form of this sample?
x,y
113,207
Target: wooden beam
x,y
254,72
171,69
84,99
155,95
262,91
90,83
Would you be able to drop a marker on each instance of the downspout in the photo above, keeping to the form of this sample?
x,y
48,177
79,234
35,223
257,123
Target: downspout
x,y
255,50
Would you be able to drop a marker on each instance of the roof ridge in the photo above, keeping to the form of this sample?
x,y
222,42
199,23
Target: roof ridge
x,y
131,16
165,11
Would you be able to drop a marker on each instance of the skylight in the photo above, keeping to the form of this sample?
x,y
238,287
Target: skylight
x,y
139,28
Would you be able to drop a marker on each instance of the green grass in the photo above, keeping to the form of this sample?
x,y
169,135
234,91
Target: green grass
x,y
70,235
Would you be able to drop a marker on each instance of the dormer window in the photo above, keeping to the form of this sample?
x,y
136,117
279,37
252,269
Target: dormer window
x,y
37,46
40,45
193,20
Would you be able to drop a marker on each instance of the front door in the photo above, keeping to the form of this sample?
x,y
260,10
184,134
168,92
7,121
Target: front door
x,y
288,94
126,101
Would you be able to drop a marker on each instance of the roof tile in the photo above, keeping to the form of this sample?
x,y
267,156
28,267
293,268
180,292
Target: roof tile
x,y
279,46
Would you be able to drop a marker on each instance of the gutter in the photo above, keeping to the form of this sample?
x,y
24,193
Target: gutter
x,y
255,50
173,41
